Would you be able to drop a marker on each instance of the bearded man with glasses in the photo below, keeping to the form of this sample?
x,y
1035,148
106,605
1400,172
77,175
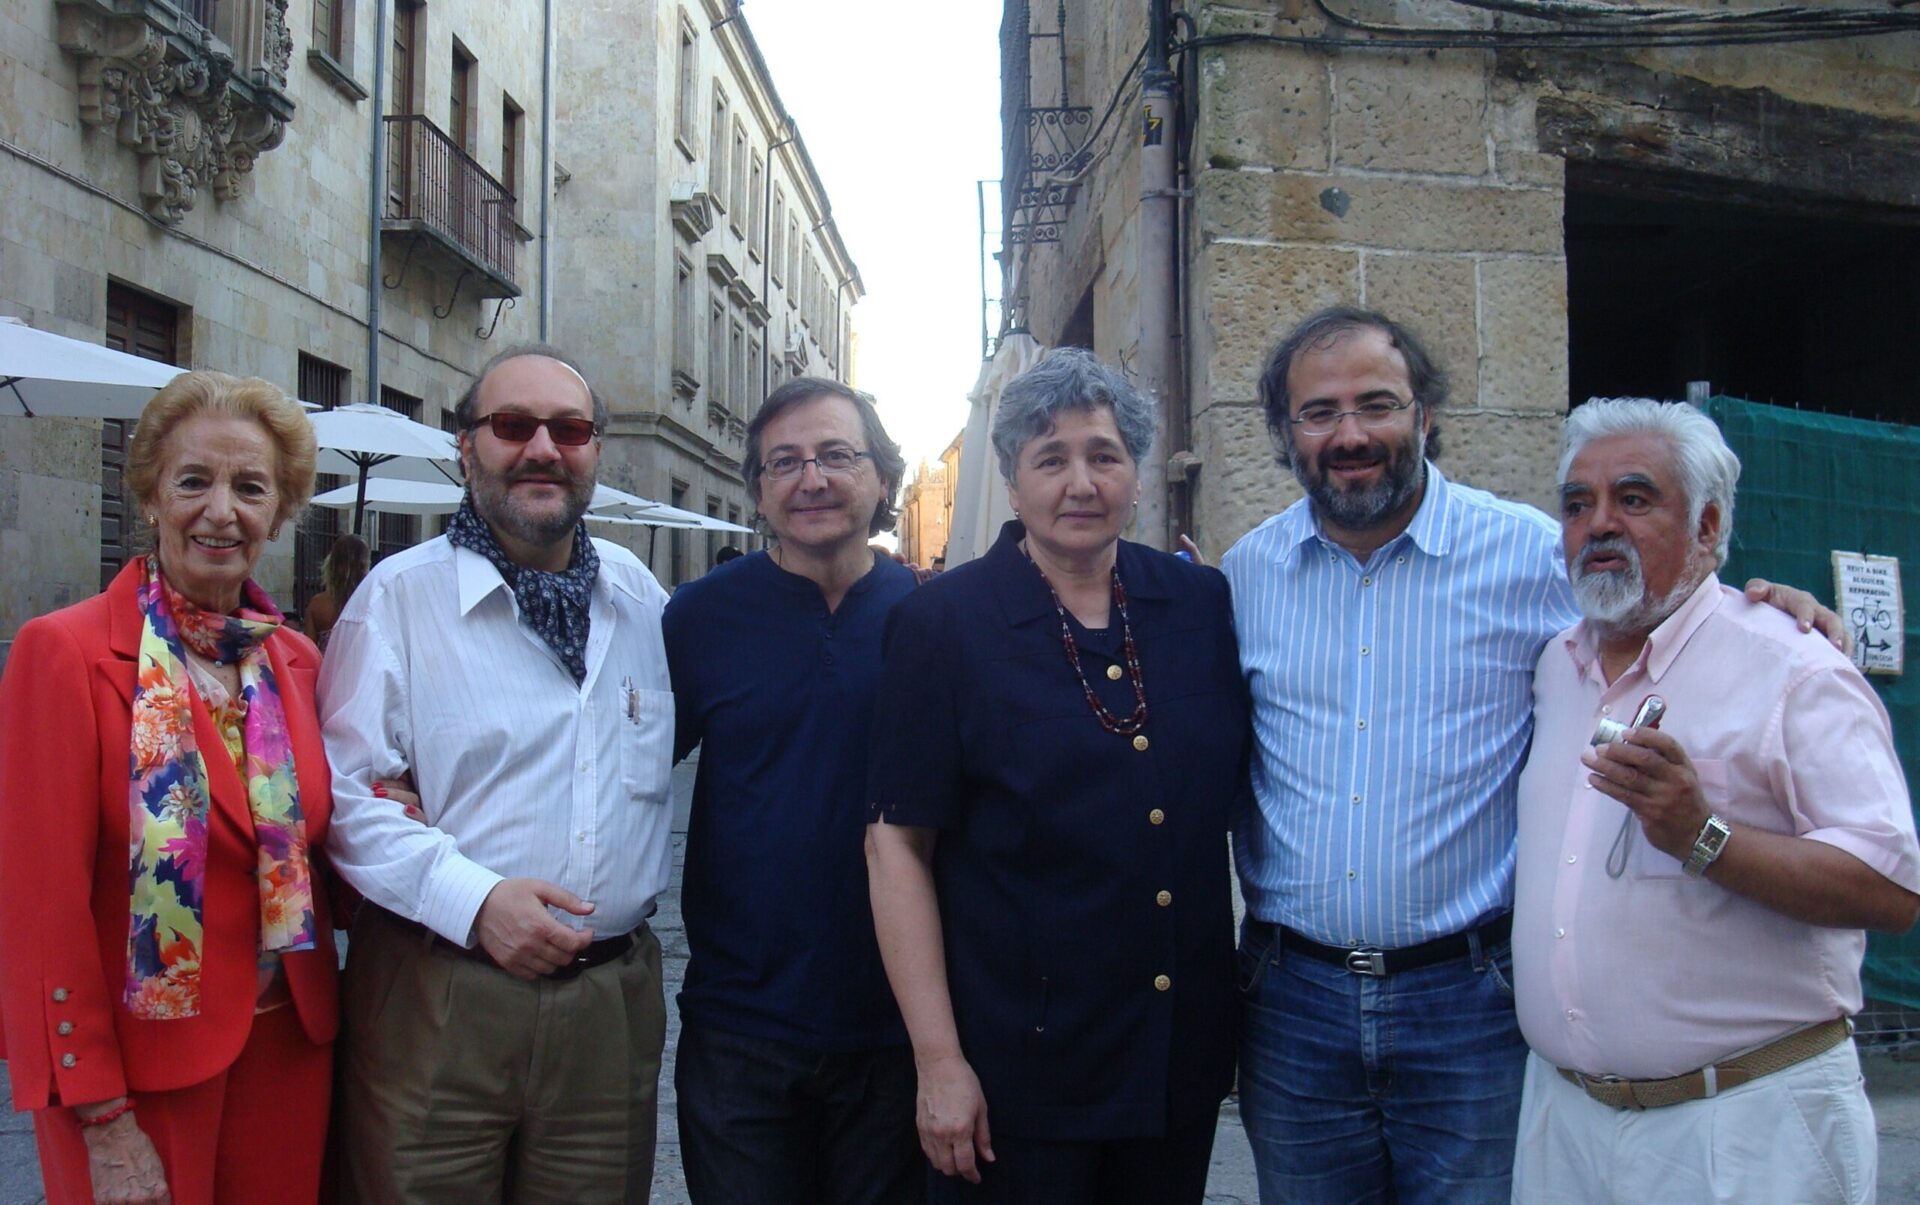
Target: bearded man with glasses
x,y
503,1011
793,1074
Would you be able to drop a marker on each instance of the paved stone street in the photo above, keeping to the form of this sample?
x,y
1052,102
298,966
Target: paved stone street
x,y
1894,1085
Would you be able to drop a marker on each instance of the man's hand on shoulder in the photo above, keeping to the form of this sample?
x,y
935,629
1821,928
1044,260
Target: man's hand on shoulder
x,y
1806,610
521,936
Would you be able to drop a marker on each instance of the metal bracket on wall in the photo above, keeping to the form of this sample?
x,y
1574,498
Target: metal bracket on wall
x,y
506,303
405,260
454,300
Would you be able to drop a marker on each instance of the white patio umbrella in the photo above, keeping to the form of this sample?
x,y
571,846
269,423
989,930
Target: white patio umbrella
x,y
360,438
658,514
398,496
54,376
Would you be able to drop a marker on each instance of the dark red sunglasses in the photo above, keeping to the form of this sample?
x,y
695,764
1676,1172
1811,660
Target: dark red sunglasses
x,y
519,428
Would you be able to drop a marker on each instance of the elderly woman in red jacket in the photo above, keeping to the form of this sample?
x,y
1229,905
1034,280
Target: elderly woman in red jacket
x,y
166,953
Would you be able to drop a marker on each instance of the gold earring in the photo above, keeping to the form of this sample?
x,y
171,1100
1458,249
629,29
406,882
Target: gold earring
x,y
151,521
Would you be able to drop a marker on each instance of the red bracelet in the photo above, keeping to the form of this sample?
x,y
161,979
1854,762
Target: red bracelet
x,y
114,1114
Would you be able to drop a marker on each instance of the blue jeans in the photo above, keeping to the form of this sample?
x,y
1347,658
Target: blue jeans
x,y
1404,1088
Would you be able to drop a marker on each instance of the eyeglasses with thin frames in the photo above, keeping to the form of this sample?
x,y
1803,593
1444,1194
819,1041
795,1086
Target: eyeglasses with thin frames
x,y
834,461
519,428
1325,420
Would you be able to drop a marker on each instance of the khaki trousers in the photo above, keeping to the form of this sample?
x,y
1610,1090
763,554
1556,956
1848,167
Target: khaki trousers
x,y
462,1084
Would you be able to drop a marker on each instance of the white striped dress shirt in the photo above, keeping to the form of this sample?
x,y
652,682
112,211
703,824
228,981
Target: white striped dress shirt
x,y
522,771
1392,706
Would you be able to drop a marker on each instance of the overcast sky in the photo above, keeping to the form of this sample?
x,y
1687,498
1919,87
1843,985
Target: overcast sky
x,y
899,104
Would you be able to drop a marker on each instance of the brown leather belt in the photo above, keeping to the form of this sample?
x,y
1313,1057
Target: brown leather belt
x,y
596,954
1714,1078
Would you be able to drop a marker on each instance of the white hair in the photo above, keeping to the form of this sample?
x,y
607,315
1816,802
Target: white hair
x,y
1707,466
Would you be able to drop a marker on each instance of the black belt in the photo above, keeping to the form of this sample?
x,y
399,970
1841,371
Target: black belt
x,y
1376,963
596,954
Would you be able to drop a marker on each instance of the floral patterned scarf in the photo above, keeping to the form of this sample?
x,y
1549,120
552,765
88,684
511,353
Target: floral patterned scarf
x,y
169,797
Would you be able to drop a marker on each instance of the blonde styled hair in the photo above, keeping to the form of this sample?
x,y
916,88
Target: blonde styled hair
x,y
206,392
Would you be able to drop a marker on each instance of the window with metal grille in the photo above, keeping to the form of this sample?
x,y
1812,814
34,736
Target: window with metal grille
x,y
324,384
395,533
145,326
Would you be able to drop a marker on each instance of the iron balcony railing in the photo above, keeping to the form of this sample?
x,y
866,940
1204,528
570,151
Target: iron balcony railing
x,y
433,182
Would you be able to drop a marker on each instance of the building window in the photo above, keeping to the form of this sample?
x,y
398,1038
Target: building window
x,y
756,380
757,208
325,385
717,353
460,100
777,260
397,533
688,80
717,152
333,30
683,319
678,542
737,362
793,256
739,197
143,326
512,149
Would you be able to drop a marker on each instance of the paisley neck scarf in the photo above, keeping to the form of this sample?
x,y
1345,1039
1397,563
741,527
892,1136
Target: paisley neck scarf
x,y
169,797
554,605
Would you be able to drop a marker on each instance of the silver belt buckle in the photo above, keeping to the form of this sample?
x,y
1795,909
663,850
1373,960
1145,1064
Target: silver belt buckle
x,y
1368,961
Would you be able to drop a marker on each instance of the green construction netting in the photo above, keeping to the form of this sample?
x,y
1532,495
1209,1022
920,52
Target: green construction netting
x,y
1811,484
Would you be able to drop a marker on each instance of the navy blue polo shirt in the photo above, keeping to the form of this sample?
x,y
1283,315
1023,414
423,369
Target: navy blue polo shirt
x,y
1082,875
779,693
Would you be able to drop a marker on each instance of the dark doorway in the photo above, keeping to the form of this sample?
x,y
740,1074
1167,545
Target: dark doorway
x,y
1771,298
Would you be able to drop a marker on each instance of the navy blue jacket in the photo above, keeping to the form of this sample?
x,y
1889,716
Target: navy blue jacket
x,y
1083,882
778,693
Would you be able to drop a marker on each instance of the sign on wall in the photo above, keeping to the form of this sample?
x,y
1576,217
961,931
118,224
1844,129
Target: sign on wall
x,y
1867,593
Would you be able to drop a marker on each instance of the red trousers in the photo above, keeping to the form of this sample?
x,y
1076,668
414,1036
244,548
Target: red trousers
x,y
257,1132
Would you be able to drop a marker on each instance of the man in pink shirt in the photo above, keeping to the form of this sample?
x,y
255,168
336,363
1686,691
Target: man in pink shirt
x,y
1691,899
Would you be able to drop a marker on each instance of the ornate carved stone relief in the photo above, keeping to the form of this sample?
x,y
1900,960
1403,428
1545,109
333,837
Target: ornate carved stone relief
x,y
171,91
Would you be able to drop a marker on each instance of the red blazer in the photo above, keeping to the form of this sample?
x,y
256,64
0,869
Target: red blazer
x,y
65,737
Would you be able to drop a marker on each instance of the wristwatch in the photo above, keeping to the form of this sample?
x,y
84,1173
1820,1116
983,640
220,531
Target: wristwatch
x,y
1707,846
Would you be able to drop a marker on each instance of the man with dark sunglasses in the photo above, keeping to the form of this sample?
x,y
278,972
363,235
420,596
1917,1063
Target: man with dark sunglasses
x,y
793,1074
504,1018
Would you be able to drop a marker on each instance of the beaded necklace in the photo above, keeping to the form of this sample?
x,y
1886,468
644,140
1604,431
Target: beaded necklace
x,y
1138,720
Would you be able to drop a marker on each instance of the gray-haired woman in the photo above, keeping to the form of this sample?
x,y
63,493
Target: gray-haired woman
x,y
1061,731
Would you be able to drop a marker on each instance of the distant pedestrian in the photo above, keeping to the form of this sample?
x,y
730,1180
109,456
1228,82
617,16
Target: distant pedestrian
x,y
343,570
793,1075
728,552
1061,733
503,1006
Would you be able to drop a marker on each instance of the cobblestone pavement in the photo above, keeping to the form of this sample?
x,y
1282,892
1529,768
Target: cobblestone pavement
x,y
1894,1085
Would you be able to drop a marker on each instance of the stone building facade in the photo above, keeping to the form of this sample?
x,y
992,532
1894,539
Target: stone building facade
x,y
700,266
926,507
1560,210
191,180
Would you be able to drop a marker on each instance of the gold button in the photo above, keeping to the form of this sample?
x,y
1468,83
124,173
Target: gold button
x,y
64,1028
59,995
1164,898
1113,672
1140,743
1161,983
67,1060
1156,816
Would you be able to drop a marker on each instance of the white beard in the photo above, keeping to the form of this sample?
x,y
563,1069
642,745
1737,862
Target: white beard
x,y
1617,600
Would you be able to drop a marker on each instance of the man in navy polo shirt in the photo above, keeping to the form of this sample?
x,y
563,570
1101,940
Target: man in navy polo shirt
x,y
794,1077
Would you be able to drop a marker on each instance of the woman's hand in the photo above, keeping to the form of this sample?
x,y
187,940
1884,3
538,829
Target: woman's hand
x,y
951,1113
123,1165
401,791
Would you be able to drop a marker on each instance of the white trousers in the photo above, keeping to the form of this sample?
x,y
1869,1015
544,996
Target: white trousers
x,y
1804,1135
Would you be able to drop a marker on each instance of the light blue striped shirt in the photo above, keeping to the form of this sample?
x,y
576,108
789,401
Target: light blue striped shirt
x,y
1392,708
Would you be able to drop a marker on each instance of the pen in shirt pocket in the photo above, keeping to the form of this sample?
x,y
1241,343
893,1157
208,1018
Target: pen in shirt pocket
x,y
632,698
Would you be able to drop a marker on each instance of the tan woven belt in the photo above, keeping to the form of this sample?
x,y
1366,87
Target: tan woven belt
x,y
1714,1079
